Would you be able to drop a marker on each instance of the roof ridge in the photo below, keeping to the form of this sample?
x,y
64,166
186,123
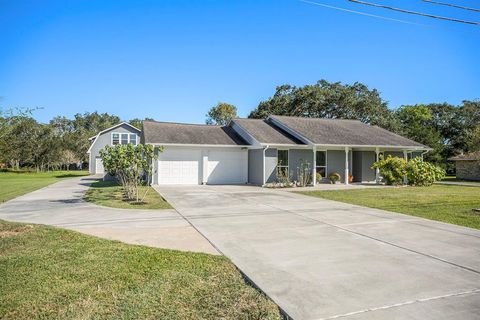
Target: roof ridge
x,y
317,118
187,124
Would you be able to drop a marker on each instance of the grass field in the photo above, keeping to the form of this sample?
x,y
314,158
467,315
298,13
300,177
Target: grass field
x,y
109,194
16,183
50,273
447,203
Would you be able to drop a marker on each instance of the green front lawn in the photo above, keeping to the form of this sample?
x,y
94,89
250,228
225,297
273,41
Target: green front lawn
x,y
17,183
50,273
447,203
109,194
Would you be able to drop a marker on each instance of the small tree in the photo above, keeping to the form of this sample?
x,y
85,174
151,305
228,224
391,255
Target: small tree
x,y
221,114
129,164
392,169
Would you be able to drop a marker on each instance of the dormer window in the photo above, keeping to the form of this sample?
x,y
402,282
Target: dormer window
x,y
124,138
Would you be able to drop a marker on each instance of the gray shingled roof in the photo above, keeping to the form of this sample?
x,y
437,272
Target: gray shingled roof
x,y
181,133
473,156
344,132
265,132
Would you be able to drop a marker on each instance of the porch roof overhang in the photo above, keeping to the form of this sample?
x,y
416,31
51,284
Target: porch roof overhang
x,y
372,147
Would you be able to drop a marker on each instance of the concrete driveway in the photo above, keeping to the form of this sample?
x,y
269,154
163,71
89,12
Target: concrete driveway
x,y
62,205
320,259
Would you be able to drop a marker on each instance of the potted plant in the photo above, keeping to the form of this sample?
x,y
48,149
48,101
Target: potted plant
x,y
334,177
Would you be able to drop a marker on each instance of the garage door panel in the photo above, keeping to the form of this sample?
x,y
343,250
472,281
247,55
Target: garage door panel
x,y
227,167
99,166
179,166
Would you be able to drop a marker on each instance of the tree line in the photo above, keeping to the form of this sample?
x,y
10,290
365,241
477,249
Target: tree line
x,y
63,142
448,129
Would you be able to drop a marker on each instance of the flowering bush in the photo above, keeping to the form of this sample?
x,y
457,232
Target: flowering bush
x,y
421,173
392,169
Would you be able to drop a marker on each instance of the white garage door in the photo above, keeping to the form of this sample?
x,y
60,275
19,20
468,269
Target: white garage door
x,y
179,166
227,166
98,165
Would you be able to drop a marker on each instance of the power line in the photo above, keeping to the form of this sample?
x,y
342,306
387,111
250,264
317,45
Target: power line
x,y
415,13
451,5
361,13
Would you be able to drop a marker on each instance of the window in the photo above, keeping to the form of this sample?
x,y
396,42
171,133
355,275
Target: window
x,y
282,162
133,139
115,138
321,163
124,138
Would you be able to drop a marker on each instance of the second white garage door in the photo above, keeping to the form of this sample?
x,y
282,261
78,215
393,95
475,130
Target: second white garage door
x,y
179,166
227,166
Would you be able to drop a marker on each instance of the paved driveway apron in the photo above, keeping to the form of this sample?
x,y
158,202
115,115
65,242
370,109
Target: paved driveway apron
x,y
61,204
321,259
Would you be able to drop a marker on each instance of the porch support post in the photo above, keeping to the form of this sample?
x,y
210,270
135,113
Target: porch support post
x,y
405,156
314,166
377,171
264,179
346,165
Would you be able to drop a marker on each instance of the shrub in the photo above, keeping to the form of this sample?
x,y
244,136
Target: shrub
x,y
128,164
421,173
392,169
334,177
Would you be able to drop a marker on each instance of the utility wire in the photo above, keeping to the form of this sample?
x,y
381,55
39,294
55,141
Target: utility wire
x,y
361,13
415,13
451,5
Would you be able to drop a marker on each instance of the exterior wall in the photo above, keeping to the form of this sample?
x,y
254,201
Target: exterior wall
x,y
368,159
295,157
270,165
255,166
393,154
105,139
357,165
336,162
468,170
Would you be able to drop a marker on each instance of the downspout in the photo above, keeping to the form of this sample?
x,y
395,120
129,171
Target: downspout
x,y
424,152
264,149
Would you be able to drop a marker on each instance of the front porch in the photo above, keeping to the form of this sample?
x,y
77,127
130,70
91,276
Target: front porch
x,y
352,163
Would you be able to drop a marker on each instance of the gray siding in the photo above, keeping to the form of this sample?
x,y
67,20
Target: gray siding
x,y
295,156
393,154
362,164
357,166
336,162
368,159
103,140
255,166
270,165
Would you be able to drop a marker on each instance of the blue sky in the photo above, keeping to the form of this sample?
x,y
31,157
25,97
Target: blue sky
x,y
172,60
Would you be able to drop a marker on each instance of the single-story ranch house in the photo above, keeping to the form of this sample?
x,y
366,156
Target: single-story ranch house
x,y
252,150
467,166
